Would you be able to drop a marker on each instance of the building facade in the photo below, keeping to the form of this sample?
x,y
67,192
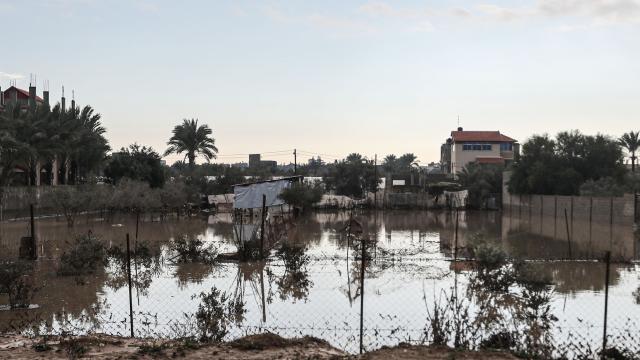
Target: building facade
x,y
485,147
14,96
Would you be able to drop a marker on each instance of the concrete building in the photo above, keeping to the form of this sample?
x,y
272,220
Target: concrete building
x,y
22,98
255,162
48,172
485,147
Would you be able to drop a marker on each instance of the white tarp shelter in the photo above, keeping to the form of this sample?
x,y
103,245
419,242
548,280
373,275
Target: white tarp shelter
x,y
249,196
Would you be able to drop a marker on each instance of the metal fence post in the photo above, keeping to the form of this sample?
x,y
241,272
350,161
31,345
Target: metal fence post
x,y
455,238
362,294
34,246
566,220
264,210
129,277
607,258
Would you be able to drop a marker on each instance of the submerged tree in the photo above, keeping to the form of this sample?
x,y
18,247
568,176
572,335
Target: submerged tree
x,y
193,140
295,282
302,195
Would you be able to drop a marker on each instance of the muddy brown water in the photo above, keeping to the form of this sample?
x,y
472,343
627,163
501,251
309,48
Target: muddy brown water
x,y
411,266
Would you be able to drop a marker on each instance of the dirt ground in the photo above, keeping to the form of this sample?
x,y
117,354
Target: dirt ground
x,y
264,346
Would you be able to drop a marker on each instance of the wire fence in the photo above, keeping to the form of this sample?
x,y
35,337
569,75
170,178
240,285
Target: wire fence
x,y
426,292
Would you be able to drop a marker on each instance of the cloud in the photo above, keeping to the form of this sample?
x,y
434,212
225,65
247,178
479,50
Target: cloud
x,y
147,6
460,12
609,11
8,76
411,19
596,12
423,26
503,13
383,9
325,21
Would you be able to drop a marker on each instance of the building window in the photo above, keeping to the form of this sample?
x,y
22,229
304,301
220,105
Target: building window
x,y
476,147
506,147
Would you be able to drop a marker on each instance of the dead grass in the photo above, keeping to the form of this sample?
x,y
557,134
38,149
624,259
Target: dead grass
x,y
263,346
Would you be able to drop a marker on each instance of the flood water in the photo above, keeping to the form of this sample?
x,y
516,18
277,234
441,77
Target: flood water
x,y
410,269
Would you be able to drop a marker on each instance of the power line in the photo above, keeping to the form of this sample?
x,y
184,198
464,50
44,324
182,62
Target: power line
x,y
320,154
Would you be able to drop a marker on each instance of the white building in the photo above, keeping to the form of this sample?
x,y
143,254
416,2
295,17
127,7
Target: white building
x,y
485,147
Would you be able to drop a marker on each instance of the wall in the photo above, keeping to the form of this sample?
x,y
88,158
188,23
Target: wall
x,y
592,224
460,158
16,200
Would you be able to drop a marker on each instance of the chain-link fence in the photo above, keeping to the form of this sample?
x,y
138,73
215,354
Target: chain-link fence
x,y
455,288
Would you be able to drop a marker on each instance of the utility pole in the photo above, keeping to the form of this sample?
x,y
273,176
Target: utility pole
x,y
295,161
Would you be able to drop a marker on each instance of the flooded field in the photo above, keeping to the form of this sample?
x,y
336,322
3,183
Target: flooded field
x,y
310,285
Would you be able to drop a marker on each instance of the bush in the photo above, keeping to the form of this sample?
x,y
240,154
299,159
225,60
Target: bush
x,y
70,200
174,195
215,313
192,249
15,282
135,196
489,256
606,186
302,195
84,256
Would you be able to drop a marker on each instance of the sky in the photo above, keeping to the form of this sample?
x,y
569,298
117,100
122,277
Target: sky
x,y
332,77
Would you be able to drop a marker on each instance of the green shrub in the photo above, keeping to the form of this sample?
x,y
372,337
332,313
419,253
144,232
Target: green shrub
x,y
83,257
215,313
302,195
16,283
192,249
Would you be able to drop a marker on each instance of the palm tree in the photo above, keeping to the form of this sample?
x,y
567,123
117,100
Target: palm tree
x,y
193,140
390,164
631,142
13,151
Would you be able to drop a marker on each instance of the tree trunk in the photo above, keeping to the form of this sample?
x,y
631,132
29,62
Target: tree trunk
x,y
37,168
54,171
633,161
192,161
67,164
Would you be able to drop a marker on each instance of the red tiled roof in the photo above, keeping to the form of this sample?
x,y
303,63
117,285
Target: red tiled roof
x,y
23,92
490,160
494,136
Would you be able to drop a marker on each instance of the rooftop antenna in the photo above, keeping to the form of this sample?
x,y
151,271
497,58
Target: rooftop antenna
x,y
458,120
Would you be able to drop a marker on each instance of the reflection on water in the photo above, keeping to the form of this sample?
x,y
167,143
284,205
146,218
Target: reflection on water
x,y
311,282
